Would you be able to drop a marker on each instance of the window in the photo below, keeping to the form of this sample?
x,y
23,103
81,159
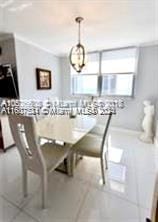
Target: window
x,y
119,61
117,85
86,82
116,68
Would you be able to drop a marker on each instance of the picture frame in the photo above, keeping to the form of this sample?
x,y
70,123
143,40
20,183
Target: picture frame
x,y
43,78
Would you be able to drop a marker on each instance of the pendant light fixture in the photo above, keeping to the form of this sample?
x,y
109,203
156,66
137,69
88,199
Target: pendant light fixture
x,y
77,53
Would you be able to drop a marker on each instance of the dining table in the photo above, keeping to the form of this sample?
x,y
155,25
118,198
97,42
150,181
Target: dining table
x,y
64,129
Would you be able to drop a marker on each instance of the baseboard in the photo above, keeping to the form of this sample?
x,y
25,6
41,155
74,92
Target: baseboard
x,y
124,130
132,132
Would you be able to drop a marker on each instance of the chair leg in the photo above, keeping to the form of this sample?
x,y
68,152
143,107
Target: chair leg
x,y
25,191
69,165
44,181
103,169
107,145
75,159
106,161
72,163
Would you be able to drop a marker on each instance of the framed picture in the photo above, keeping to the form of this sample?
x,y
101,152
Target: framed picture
x,y
43,78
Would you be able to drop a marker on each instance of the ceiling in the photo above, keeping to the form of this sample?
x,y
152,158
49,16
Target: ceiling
x,y
107,23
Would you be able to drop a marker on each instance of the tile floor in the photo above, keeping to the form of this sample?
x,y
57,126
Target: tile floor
x,y
126,197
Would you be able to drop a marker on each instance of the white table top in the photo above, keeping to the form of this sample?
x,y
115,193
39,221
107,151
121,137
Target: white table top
x,y
64,129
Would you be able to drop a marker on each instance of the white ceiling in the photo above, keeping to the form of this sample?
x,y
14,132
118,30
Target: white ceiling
x,y
107,23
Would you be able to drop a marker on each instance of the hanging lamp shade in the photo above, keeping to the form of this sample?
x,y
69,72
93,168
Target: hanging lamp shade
x,y
77,53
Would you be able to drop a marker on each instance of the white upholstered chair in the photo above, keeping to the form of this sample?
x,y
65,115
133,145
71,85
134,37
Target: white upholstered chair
x,y
98,130
94,146
41,160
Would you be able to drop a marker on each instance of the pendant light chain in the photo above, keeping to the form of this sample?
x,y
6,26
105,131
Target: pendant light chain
x,y
79,32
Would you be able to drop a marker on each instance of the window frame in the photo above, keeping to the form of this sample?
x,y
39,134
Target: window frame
x,y
88,74
101,75
118,95
83,94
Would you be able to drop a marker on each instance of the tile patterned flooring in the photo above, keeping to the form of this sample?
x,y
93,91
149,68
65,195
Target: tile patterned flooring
x,y
126,197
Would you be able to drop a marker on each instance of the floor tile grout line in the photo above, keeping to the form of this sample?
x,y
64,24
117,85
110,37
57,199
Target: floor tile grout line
x,y
13,219
18,209
78,180
106,191
136,174
80,208
16,205
137,187
113,194
116,195
27,214
27,201
82,202
13,204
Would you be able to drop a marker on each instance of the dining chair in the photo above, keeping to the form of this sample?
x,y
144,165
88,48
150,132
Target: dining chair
x,y
40,159
94,146
98,130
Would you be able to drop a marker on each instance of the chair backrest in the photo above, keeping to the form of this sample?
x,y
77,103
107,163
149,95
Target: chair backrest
x,y
105,135
23,131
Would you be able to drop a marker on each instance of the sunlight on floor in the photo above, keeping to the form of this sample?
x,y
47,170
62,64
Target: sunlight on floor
x,y
115,154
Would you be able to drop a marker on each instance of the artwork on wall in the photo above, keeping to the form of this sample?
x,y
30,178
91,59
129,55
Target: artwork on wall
x,y
43,78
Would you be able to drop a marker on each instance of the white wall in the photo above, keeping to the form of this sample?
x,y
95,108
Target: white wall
x,y
28,58
146,87
65,78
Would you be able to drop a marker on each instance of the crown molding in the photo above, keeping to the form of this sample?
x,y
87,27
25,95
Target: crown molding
x,y
151,43
20,38
6,36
